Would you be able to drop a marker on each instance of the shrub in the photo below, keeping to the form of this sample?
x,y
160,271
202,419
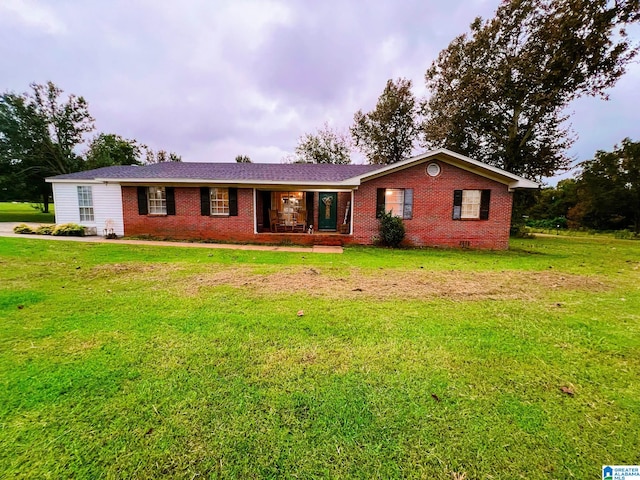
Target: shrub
x,y
548,223
520,231
68,230
391,230
23,228
45,229
626,235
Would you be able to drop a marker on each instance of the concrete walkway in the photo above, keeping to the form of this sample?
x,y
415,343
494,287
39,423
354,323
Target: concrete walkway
x,y
6,230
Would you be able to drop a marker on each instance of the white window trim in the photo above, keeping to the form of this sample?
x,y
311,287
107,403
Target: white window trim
x,y
470,208
400,205
85,203
157,206
219,207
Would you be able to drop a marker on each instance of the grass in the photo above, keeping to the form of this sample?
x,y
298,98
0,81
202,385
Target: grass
x,y
124,361
24,212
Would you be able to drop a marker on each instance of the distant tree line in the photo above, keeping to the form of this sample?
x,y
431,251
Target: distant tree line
x,y
604,195
41,135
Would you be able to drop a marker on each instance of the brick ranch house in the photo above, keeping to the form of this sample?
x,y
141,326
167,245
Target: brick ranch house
x,y
445,199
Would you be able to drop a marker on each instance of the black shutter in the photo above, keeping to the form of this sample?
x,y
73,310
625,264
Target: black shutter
x,y
310,208
205,202
407,208
485,199
233,202
171,200
143,209
457,204
380,202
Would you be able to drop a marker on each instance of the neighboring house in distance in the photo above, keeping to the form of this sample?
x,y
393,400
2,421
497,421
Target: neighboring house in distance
x,y
445,199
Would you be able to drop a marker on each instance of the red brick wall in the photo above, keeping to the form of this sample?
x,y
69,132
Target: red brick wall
x,y
187,223
432,223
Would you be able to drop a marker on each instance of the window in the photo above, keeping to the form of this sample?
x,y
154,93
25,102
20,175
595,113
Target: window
x,y
85,203
394,201
157,199
219,201
398,201
433,169
471,204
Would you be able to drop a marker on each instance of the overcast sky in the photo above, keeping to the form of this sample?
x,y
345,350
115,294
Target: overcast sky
x,y
212,79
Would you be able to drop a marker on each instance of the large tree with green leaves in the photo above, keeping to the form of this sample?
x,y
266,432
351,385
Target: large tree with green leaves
x,y
609,189
40,133
499,94
387,134
108,149
325,146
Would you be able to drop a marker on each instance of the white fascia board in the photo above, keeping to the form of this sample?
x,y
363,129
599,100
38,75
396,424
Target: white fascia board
x,y
344,185
72,180
458,160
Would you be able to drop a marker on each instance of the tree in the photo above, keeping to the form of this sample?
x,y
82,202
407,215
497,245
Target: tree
x,y
499,94
109,149
609,189
243,159
552,204
388,133
326,146
40,133
159,157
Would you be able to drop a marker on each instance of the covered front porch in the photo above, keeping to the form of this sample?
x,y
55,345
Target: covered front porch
x,y
295,214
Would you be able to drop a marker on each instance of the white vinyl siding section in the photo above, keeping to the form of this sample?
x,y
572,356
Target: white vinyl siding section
x,y
107,205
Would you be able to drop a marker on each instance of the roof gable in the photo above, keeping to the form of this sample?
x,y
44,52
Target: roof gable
x,y
458,160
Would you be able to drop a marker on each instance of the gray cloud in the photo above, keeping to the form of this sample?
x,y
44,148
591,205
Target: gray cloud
x,y
211,80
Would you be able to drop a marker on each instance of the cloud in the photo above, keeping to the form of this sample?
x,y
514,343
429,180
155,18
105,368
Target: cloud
x,y
211,80
33,15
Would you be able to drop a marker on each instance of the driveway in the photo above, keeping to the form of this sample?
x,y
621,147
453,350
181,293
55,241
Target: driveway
x,y
6,230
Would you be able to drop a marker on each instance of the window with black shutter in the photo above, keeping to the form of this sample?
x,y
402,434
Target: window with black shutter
x,y
398,201
471,204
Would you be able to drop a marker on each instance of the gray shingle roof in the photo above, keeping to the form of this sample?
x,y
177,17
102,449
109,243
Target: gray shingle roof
x,y
272,172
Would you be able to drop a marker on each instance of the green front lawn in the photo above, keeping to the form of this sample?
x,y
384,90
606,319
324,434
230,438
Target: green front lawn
x,y
121,361
24,212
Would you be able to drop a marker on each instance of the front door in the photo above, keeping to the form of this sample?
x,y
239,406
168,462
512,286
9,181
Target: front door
x,y
327,210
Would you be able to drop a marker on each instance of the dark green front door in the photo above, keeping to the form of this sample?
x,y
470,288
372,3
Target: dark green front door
x,y
327,210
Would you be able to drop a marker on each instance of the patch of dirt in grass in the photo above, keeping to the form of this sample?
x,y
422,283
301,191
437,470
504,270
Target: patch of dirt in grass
x,y
386,284
113,269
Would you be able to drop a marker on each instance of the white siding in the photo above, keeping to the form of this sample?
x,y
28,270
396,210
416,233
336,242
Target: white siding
x,y
65,199
107,205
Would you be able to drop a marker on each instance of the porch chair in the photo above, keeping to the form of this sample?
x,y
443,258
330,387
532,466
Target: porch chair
x,y
301,221
275,224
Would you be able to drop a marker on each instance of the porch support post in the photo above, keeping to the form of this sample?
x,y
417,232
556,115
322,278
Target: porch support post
x,y
255,212
351,214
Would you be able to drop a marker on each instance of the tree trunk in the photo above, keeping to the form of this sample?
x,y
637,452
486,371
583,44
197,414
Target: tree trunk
x,y
45,197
